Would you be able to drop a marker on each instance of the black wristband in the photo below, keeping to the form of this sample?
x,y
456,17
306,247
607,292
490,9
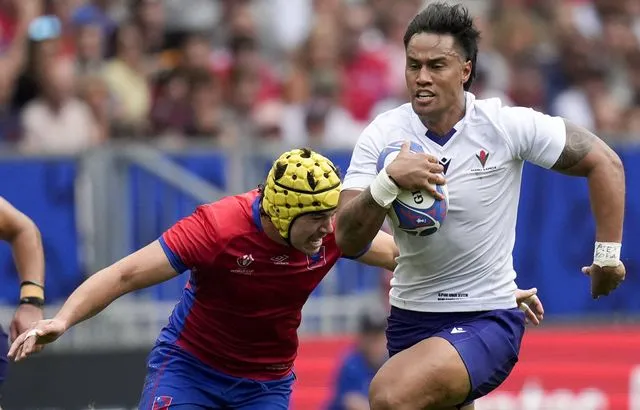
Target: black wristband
x,y
32,300
30,282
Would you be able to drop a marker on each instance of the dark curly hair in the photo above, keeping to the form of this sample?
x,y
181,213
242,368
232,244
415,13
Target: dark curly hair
x,y
455,20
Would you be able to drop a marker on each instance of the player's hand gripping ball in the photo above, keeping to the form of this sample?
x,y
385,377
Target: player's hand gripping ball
x,y
417,213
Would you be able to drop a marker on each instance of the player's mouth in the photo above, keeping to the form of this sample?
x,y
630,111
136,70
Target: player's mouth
x,y
316,242
424,96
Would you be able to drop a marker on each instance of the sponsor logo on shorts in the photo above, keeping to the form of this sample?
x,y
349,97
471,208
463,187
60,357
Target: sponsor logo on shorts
x,y
457,330
162,402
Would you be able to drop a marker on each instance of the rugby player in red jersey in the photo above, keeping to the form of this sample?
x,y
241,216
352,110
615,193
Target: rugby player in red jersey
x,y
254,259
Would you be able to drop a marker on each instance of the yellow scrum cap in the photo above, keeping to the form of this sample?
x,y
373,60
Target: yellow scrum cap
x,y
299,182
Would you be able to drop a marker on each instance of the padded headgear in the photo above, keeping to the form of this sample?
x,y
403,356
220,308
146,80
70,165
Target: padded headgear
x,y
300,182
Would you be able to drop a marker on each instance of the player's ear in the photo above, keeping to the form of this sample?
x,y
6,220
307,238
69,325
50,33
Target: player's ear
x,y
466,71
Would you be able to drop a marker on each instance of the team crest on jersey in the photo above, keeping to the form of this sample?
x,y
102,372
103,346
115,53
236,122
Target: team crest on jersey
x,y
317,259
245,260
482,156
162,402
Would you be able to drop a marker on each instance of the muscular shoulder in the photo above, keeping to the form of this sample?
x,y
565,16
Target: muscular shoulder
x,y
393,118
230,216
487,109
493,112
391,125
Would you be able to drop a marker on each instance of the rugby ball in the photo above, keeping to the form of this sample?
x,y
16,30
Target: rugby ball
x,y
417,213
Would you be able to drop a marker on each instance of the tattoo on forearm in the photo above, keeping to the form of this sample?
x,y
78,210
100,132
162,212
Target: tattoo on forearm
x,y
369,213
579,143
367,200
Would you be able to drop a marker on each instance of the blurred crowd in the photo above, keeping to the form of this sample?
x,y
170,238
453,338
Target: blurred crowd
x,y
77,73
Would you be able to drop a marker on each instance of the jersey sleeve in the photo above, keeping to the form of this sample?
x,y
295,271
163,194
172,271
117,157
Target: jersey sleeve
x,y
191,242
533,136
362,169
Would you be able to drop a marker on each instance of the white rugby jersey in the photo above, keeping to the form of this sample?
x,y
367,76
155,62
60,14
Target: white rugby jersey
x,y
467,265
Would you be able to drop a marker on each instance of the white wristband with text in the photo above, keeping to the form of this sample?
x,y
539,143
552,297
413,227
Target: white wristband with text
x,y
607,254
383,190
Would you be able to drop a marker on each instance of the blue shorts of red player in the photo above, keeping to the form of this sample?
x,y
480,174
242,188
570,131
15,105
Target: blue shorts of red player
x,y
177,380
488,342
4,349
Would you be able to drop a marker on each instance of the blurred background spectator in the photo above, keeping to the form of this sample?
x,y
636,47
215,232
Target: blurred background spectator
x,y
318,69
362,362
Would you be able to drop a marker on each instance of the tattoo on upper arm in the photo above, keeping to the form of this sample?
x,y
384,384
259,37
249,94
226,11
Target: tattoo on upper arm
x,y
579,143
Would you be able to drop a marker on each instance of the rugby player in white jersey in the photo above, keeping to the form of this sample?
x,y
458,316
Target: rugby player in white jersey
x,y
454,331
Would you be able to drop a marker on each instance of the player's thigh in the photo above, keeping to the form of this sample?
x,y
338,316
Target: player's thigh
x,y
172,380
488,343
427,374
271,395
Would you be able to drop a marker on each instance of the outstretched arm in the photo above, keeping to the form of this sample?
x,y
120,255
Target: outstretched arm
x,y
586,155
143,268
146,267
188,244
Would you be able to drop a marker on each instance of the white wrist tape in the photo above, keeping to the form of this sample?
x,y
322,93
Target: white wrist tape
x,y
383,190
607,254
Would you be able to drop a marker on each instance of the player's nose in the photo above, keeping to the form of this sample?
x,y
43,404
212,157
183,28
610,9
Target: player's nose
x,y
424,76
327,227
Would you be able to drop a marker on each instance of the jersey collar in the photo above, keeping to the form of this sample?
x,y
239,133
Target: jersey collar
x,y
255,210
421,130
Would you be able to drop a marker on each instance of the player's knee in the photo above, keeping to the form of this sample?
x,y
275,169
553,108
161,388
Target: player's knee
x,y
389,400
381,397
399,394
390,396
384,399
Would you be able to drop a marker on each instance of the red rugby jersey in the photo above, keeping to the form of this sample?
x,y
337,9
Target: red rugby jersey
x,y
240,311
